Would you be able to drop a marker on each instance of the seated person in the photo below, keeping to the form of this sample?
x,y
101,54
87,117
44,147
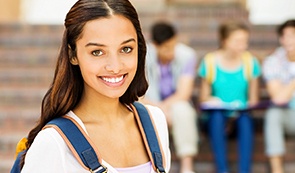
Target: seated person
x,y
230,81
279,75
171,68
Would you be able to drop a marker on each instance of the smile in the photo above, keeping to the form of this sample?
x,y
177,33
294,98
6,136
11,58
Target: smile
x,y
113,79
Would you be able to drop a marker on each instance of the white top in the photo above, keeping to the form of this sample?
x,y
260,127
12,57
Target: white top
x,y
277,66
49,153
146,167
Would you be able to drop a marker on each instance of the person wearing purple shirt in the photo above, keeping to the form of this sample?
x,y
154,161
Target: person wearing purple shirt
x,y
171,69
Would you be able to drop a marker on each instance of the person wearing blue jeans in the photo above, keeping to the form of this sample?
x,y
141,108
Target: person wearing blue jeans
x,y
217,124
229,86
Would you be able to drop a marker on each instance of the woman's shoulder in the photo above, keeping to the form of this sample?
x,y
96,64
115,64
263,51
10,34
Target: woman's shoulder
x,y
156,113
48,137
158,118
160,124
46,148
50,147
211,57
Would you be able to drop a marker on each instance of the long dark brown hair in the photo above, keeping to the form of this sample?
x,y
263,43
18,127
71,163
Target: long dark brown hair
x,y
67,87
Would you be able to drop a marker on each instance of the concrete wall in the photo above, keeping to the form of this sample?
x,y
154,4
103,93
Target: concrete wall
x,y
271,11
45,11
53,11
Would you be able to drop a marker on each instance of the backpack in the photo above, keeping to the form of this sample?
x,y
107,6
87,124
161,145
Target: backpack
x,y
248,66
83,151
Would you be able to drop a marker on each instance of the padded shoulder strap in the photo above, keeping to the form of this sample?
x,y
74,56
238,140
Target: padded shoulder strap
x,y
78,143
210,67
248,65
151,136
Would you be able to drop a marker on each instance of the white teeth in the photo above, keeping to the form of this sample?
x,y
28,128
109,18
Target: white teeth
x,y
113,80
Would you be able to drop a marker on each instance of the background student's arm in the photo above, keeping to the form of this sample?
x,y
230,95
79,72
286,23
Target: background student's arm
x,y
253,92
253,89
184,90
280,93
205,86
185,83
183,93
206,92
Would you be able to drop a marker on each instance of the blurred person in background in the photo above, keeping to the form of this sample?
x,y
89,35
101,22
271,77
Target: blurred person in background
x,y
171,69
229,83
279,75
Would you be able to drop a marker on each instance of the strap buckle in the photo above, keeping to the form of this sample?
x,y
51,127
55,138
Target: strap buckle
x,y
99,169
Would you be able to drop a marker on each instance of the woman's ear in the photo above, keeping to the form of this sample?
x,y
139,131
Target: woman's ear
x,y
74,61
72,56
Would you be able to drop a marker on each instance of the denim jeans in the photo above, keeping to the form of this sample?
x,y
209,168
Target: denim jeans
x,y
217,123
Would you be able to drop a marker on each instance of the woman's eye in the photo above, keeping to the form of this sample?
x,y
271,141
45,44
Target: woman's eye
x,y
126,50
97,53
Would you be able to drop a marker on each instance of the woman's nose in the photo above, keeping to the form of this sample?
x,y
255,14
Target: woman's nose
x,y
113,64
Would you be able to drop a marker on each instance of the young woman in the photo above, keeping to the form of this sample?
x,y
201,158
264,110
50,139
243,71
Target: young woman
x,y
99,74
229,81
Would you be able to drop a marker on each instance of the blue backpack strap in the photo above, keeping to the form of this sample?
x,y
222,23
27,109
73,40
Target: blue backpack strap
x,y
151,136
16,166
79,142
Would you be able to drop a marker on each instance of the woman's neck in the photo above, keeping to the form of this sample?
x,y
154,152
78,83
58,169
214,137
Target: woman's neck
x,y
228,55
96,110
229,60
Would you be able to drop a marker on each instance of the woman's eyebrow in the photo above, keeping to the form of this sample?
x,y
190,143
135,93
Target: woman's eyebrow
x,y
129,40
94,44
102,45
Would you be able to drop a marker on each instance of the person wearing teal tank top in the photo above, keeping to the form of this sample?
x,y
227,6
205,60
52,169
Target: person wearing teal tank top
x,y
231,86
230,82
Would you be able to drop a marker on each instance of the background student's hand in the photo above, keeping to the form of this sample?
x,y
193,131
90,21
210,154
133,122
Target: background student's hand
x,y
212,102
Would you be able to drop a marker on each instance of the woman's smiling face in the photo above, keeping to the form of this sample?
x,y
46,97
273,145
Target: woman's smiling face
x,y
107,54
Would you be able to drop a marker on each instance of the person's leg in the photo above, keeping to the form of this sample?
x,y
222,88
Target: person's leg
x,y
185,136
276,164
274,138
245,141
216,130
186,164
289,121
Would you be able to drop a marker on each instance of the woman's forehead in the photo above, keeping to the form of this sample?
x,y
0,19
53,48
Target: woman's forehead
x,y
113,28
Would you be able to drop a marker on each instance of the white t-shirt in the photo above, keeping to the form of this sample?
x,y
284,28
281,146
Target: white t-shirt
x,y
49,153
